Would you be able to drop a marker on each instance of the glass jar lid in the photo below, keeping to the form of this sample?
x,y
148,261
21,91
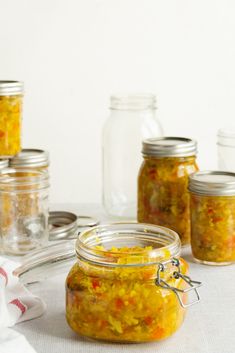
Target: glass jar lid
x,y
169,147
212,183
30,157
4,163
11,88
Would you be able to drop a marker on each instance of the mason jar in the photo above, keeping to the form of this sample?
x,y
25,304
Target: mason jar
x,y
30,158
213,217
132,119
11,97
163,197
24,210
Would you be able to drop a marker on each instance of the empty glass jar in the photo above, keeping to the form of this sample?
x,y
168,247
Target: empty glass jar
x,y
24,210
132,119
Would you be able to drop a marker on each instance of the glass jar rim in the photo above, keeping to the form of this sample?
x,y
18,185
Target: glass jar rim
x,y
88,243
138,101
16,180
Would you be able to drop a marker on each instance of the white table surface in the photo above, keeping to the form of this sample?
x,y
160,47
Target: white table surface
x,y
209,326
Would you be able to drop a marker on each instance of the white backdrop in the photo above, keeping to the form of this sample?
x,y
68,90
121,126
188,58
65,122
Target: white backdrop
x,y
72,54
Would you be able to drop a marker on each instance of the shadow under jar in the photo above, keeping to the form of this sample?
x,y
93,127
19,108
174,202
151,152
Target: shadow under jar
x,y
163,196
129,284
213,217
24,210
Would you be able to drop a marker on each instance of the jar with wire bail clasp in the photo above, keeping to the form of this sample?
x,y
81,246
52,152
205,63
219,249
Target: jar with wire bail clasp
x,y
129,284
163,196
212,196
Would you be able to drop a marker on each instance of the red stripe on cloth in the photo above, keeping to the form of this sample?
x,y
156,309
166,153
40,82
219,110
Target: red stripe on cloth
x,y
19,305
4,274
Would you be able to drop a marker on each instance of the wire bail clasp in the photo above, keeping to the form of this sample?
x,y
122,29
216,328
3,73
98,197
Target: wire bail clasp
x,y
192,285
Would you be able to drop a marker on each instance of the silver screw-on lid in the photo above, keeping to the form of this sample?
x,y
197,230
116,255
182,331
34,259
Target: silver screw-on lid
x,y
30,157
169,147
65,225
212,183
11,88
4,163
62,225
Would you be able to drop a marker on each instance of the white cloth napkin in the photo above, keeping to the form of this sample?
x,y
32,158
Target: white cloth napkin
x,y
17,304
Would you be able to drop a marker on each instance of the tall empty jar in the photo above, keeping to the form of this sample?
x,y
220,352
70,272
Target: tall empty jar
x,y
11,96
24,210
132,119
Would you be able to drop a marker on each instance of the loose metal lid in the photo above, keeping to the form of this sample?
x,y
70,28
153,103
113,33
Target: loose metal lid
x,y
169,147
64,225
30,157
4,163
212,183
11,88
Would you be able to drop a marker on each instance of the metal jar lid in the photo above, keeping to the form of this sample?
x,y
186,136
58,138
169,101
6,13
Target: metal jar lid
x,y
30,157
65,225
11,88
212,183
169,147
4,163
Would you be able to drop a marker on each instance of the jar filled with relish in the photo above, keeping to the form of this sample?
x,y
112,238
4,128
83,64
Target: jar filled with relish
x,y
128,284
11,96
163,197
213,217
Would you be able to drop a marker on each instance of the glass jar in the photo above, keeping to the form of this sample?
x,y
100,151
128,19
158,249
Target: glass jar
x,y
226,149
11,96
129,284
213,217
31,158
133,118
163,196
24,210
